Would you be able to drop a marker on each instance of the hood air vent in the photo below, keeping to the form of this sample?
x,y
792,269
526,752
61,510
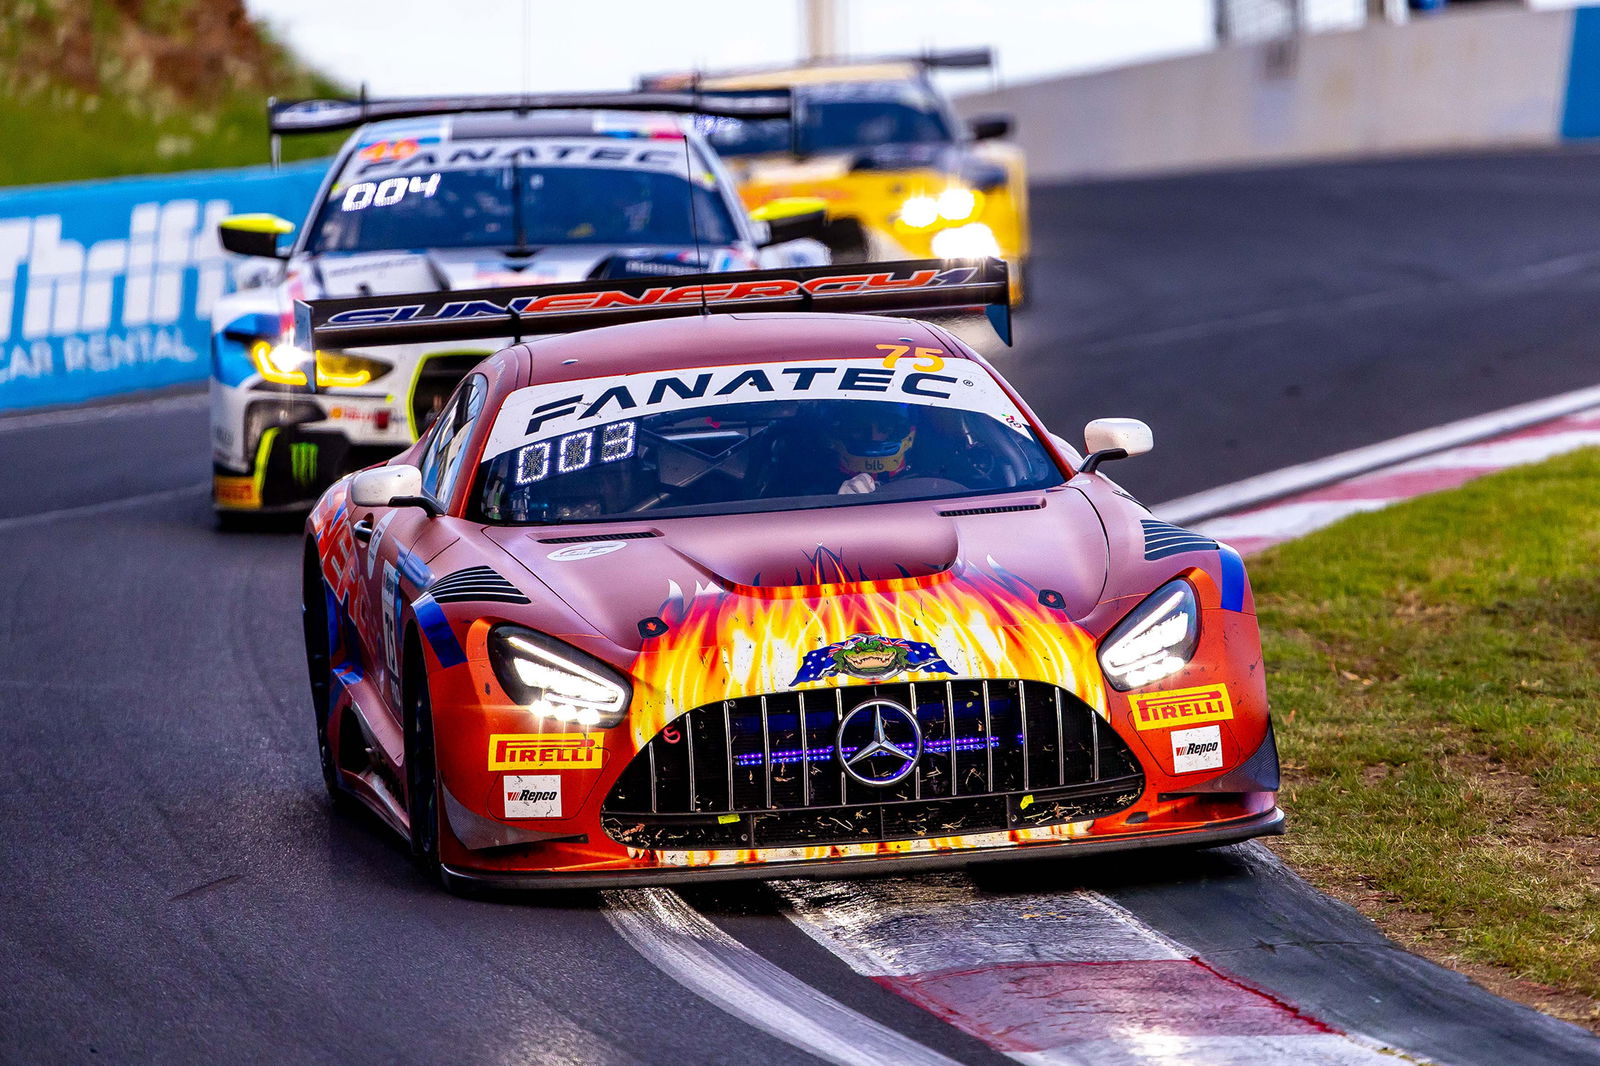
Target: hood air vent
x,y
966,511
1162,539
475,583
590,538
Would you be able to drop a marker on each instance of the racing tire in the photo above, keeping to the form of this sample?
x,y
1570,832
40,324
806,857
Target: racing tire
x,y
422,776
319,667
240,522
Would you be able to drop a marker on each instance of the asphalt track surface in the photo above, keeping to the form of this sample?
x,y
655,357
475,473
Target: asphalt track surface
x,y
177,890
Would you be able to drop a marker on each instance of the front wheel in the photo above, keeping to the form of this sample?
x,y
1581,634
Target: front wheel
x,y
319,664
422,779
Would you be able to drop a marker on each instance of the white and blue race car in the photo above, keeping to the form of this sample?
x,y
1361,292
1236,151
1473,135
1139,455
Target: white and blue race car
x,y
459,194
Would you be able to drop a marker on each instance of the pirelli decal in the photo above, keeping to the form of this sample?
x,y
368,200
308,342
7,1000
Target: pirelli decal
x,y
544,751
1181,707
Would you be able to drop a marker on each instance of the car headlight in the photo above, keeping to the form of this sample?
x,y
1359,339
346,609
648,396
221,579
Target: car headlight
x,y
284,364
919,212
1155,640
972,241
957,203
556,680
343,370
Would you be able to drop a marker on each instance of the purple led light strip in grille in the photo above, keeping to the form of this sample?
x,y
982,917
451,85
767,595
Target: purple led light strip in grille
x,y
793,755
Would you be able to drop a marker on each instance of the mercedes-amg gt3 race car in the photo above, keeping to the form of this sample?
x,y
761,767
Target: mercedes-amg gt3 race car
x,y
878,142
762,594
451,193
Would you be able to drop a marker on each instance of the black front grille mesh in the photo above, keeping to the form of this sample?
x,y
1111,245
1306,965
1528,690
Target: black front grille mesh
x,y
996,755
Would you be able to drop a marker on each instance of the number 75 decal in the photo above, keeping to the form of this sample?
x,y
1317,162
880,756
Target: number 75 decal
x,y
926,358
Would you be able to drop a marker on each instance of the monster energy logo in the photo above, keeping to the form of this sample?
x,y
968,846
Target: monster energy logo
x,y
303,463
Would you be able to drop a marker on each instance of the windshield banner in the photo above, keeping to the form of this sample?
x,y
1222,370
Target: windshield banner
x,y
543,412
107,287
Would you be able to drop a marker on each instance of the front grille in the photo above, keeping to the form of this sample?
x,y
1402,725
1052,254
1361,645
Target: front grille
x,y
996,755
437,378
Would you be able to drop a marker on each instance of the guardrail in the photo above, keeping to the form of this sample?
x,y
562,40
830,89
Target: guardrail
x,y
107,287
1499,77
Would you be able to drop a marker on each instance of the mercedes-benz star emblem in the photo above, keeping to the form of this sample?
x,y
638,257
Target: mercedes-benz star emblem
x,y
886,750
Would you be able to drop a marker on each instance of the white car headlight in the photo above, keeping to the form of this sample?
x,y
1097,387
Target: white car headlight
x,y
919,212
555,680
1155,640
956,203
972,241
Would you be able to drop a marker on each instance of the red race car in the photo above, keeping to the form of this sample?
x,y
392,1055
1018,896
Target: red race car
x,y
714,593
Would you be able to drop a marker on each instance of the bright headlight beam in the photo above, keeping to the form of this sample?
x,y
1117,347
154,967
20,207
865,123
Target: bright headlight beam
x,y
282,364
561,681
919,212
1154,641
972,241
957,203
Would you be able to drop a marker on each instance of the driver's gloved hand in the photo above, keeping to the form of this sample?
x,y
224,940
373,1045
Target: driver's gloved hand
x,y
862,482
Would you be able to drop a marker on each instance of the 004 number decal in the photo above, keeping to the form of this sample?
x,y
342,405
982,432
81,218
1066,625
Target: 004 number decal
x,y
366,194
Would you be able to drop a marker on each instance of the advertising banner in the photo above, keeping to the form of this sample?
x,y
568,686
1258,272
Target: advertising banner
x,y
107,287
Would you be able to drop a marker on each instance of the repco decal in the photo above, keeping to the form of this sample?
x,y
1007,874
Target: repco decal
x,y
1181,707
665,295
543,751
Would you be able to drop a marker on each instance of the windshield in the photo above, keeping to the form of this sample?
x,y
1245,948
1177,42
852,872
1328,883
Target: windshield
x,y
840,118
760,437
518,206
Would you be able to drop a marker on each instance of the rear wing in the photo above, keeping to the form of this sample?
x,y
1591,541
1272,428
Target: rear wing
x,y
950,59
907,288
321,116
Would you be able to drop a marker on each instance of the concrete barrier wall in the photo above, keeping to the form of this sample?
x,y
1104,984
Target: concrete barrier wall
x,y
106,287
1465,80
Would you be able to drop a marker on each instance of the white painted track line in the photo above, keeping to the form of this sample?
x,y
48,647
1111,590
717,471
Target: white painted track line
x,y
1058,977
687,947
1306,476
1308,1049
883,928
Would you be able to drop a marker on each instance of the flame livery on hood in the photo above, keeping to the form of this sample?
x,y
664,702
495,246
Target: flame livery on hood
x,y
979,621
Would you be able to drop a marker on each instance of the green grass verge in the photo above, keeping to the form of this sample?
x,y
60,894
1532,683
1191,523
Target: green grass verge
x,y
105,88
64,136
1435,675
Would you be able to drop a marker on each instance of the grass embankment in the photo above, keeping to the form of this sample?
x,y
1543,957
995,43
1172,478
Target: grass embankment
x,y
1435,675
103,88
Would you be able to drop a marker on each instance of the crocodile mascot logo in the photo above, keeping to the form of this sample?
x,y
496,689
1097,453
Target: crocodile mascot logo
x,y
870,657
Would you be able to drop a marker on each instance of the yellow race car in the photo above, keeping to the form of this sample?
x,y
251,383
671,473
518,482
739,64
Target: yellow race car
x,y
875,140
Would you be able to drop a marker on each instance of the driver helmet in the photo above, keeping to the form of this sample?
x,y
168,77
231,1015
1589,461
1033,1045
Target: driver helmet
x,y
872,438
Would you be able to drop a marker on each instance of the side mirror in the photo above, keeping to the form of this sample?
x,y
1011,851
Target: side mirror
x,y
792,218
390,486
988,127
255,235
1114,438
